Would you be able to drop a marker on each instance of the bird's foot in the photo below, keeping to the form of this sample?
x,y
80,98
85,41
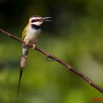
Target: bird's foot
x,y
34,46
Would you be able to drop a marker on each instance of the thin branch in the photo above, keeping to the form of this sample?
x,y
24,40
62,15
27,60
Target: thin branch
x,y
69,67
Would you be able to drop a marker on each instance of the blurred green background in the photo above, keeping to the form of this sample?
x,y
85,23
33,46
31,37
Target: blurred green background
x,y
75,35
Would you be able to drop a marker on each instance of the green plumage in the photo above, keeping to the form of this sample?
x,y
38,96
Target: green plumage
x,y
24,33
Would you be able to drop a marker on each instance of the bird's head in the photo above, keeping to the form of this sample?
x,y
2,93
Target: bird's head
x,y
37,20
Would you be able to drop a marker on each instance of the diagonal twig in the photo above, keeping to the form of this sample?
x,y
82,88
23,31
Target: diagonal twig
x,y
69,67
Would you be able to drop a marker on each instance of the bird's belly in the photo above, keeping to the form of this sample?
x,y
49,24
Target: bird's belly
x,y
32,37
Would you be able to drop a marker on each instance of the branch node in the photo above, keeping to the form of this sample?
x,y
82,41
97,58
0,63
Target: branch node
x,y
90,82
47,57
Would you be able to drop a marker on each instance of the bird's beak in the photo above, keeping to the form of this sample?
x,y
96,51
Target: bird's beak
x,y
46,18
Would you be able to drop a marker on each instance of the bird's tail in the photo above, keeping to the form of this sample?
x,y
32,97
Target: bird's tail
x,y
25,50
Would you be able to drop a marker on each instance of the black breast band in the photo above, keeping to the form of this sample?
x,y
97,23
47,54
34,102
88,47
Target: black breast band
x,y
35,26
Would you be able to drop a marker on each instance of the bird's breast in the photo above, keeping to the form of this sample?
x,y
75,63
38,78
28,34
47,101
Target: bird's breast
x,y
32,36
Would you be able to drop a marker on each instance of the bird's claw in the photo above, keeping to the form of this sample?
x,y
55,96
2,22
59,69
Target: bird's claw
x,y
34,46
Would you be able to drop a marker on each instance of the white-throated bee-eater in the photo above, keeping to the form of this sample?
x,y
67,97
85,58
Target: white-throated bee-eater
x,y
30,36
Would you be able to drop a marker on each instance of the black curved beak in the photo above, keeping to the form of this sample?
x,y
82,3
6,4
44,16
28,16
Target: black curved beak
x,y
46,18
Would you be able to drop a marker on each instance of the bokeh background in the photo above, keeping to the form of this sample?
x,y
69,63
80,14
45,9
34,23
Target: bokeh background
x,y
75,35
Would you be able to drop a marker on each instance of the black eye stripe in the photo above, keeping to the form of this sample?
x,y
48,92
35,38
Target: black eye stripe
x,y
33,21
36,20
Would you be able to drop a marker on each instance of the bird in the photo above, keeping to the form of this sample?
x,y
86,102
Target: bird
x,y
30,36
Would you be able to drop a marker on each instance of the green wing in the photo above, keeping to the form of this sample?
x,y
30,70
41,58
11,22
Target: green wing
x,y
24,33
